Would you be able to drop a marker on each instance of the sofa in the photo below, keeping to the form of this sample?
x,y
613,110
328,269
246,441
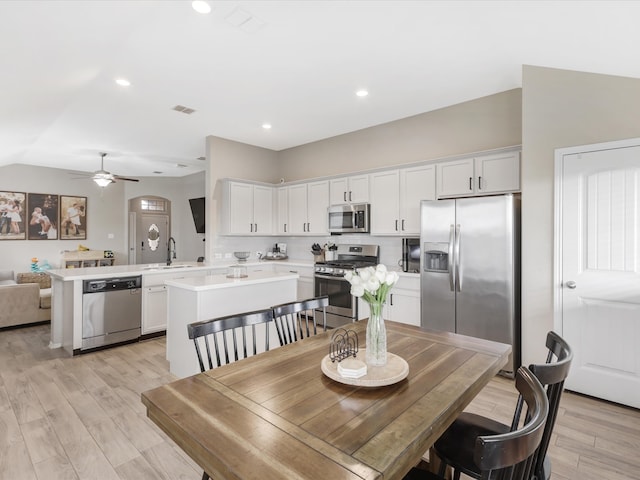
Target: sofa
x,y
24,300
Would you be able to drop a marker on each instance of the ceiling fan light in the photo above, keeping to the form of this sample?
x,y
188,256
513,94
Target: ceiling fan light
x,y
102,182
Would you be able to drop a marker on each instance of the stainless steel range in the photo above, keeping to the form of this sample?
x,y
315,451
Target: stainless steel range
x,y
329,280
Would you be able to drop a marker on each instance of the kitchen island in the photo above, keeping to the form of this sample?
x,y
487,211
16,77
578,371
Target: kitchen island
x,y
67,286
202,298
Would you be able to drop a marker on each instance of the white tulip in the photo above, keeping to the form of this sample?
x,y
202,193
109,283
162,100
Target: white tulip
x,y
372,285
364,274
348,276
391,278
381,267
381,276
357,290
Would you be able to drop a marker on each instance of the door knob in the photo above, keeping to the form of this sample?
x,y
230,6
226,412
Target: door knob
x,y
570,284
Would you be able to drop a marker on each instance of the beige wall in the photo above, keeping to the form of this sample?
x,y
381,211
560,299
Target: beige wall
x,y
560,109
229,159
482,124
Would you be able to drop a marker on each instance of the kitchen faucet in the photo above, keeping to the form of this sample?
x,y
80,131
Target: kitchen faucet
x,y
171,239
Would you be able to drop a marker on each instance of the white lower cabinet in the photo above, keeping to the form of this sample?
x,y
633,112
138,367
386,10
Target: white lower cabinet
x,y
154,309
403,302
305,280
154,299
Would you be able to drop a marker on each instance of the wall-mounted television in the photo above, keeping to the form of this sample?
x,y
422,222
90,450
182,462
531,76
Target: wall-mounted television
x,y
197,211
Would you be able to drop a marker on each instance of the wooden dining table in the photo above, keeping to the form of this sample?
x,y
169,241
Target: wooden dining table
x,y
277,416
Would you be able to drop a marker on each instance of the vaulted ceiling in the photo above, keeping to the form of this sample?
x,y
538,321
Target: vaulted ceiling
x,y
295,65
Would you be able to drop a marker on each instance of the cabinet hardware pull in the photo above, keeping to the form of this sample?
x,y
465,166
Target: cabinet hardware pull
x,y
479,183
251,227
470,183
392,299
396,224
344,195
256,227
350,196
285,228
403,224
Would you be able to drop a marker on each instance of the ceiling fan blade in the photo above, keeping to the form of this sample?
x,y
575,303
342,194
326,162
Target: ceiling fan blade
x,y
118,177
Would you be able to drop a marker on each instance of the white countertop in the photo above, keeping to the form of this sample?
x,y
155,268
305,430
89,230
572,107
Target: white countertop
x,y
211,282
69,274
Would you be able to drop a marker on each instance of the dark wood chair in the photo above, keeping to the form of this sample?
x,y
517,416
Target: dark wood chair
x,y
456,447
297,320
508,455
212,331
208,331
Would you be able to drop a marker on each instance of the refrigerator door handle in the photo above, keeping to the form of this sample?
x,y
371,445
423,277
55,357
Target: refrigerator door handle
x,y
452,272
457,256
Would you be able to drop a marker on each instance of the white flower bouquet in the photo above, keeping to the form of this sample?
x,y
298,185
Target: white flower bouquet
x,y
372,283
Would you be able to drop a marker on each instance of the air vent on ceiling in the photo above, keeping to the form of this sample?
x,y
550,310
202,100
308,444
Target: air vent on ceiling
x,y
183,109
201,158
244,20
157,172
181,165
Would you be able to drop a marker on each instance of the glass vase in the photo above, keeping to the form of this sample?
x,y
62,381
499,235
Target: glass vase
x,y
376,336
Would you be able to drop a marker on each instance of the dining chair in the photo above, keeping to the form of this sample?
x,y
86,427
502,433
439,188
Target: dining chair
x,y
212,331
297,320
456,447
209,331
509,455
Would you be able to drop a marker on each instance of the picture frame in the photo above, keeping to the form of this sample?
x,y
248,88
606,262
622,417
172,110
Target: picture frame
x,y
12,215
41,217
73,218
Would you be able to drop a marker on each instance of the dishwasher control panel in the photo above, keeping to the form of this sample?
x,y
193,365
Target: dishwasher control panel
x,y
111,284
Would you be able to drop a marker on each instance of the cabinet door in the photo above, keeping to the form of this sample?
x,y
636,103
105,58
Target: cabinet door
x,y
338,190
317,204
404,307
282,221
154,309
240,208
416,184
358,189
262,210
498,173
455,178
385,202
298,208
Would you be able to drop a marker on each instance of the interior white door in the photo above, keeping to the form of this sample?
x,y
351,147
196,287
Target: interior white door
x,y
600,272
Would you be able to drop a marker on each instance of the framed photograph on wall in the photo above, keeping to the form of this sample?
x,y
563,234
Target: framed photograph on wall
x,y
12,215
73,218
41,216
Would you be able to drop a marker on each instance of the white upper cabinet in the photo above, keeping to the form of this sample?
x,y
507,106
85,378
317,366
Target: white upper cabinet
x,y
495,173
396,196
249,209
354,189
307,206
282,211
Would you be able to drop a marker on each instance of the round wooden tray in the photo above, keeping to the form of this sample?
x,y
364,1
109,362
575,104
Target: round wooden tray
x,y
395,370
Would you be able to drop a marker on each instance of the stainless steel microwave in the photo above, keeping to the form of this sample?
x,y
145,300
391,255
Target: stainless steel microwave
x,y
349,218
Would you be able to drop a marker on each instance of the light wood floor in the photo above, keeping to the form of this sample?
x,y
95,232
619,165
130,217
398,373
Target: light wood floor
x,y
81,418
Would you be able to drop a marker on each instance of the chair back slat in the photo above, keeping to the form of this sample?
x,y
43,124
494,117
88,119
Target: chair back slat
x,y
297,320
510,455
208,332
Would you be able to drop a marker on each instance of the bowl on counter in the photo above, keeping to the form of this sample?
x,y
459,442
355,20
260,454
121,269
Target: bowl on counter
x,y
241,256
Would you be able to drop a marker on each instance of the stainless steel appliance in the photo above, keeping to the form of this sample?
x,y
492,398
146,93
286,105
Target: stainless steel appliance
x,y
111,311
329,280
349,218
470,269
411,254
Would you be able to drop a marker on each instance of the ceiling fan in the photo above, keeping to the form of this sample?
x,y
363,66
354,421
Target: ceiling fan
x,y
104,178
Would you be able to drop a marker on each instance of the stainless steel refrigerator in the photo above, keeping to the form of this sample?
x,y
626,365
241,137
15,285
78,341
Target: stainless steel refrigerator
x,y
470,269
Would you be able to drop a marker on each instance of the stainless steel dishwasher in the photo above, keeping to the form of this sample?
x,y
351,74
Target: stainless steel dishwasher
x,y
111,311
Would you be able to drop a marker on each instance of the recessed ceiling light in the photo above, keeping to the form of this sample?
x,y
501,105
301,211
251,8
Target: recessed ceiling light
x,y
266,126
123,82
362,93
201,7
